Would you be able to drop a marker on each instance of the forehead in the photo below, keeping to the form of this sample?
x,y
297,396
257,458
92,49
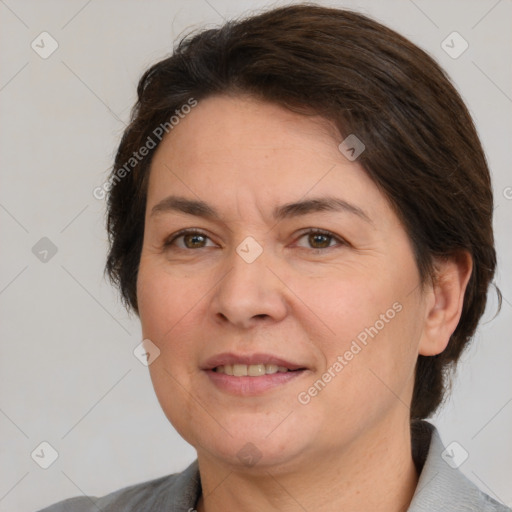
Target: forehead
x,y
237,127
259,153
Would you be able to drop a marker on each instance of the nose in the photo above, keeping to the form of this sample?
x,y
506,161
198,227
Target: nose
x,y
250,293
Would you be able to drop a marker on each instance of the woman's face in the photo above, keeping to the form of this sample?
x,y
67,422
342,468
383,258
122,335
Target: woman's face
x,y
254,288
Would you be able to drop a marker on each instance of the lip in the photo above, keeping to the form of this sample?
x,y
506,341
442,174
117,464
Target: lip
x,y
251,386
257,358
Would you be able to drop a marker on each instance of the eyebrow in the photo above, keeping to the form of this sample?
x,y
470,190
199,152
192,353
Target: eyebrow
x,y
202,209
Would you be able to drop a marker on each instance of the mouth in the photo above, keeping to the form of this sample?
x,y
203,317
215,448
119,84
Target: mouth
x,y
250,375
251,370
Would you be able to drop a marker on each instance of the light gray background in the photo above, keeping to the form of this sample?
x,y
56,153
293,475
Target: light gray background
x,y
68,374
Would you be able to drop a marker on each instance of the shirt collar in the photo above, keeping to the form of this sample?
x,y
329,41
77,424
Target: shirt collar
x,y
440,486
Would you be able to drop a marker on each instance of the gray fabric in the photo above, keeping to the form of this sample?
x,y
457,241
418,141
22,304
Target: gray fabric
x,y
440,487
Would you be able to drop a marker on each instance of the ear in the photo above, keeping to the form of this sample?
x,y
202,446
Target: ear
x,y
444,302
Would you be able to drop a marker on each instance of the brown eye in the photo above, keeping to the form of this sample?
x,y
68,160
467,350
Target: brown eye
x,y
193,241
320,240
188,239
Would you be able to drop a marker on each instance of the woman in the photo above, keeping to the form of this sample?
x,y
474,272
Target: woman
x,y
300,213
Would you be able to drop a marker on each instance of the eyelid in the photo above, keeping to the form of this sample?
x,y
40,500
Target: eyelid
x,y
186,231
325,232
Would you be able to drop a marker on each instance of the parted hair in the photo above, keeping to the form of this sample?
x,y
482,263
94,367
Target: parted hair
x,y
421,146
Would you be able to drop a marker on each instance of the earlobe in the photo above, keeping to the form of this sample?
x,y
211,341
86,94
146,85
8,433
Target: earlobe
x,y
444,310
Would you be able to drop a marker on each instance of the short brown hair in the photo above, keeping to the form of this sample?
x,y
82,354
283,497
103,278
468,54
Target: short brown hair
x,y
422,149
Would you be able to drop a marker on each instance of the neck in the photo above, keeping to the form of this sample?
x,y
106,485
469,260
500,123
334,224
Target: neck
x,y
377,472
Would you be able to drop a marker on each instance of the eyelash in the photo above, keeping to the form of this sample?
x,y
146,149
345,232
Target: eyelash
x,y
312,231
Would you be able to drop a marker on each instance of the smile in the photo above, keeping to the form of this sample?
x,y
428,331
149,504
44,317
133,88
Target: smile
x,y
251,374
250,370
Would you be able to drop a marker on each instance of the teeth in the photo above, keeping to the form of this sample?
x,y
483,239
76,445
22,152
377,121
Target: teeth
x,y
251,370
240,370
270,368
255,370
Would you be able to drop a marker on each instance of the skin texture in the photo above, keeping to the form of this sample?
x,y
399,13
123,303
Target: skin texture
x,y
349,446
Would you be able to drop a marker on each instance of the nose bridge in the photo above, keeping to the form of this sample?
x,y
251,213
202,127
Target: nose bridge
x,y
249,289
247,279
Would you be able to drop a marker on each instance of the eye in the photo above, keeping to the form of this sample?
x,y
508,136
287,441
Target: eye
x,y
188,239
194,239
319,239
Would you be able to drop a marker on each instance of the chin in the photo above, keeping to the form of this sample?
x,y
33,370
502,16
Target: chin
x,y
256,443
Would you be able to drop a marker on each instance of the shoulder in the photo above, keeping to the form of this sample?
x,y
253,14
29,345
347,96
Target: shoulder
x,y
176,492
442,486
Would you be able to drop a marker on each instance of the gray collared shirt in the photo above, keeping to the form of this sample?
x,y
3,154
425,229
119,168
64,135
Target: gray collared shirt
x,y
441,488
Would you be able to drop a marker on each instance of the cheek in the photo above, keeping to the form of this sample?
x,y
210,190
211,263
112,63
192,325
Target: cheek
x,y
347,307
370,339
164,301
166,317
166,313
